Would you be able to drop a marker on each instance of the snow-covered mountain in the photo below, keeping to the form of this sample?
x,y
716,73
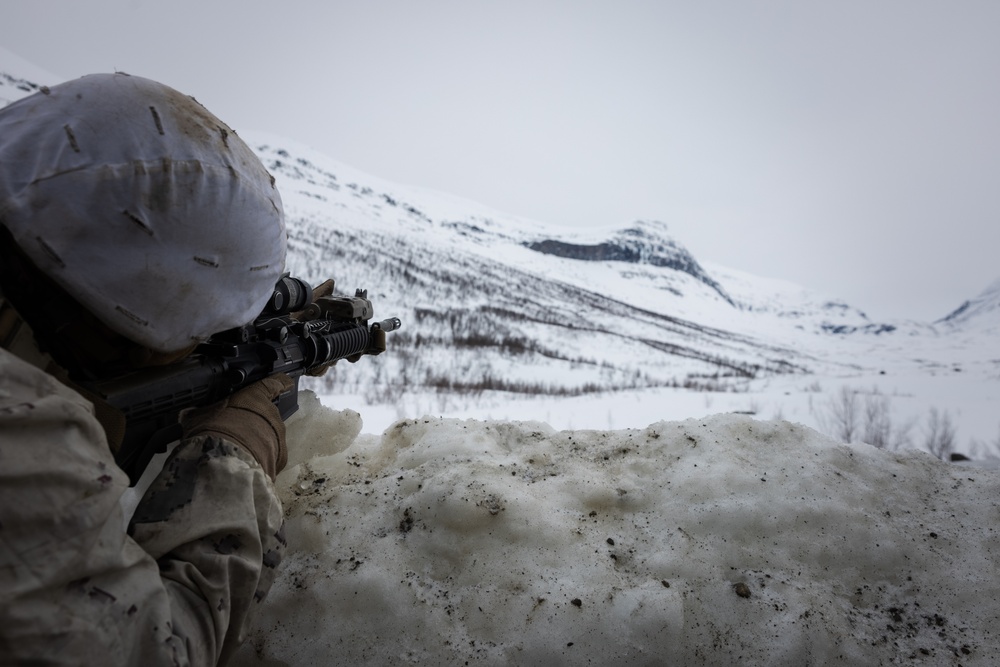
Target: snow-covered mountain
x,y
20,78
982,312
490,301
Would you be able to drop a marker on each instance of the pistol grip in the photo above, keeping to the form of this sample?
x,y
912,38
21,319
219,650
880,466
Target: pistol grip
x,y
288,402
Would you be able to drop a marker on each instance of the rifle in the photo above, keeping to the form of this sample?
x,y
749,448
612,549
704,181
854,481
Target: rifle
x,y
294,335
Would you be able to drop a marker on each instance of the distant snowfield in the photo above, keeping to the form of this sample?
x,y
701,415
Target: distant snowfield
x,y
721,541
956,381
974,407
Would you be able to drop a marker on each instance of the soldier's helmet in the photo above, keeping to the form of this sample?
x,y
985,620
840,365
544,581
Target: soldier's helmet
x,y
143,206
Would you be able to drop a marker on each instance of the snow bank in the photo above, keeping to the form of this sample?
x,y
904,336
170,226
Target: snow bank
x,y
721,540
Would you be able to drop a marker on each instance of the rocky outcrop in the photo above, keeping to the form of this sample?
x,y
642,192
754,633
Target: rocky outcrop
x,y
641,243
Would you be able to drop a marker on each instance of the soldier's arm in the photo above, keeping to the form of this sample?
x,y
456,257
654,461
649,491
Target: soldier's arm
x,y
74,588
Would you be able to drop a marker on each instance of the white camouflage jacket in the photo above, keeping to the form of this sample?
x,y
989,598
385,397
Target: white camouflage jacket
x,y
178,589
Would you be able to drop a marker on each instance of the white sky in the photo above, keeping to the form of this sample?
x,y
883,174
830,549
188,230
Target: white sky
x,y
852,147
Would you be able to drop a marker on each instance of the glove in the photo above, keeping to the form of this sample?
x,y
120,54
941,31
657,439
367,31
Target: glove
x,y
248,418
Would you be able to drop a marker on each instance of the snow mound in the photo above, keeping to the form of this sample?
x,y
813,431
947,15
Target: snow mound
x,y
722,540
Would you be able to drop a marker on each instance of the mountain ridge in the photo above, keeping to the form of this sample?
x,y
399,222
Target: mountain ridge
x,y
482,310
639,243
983,309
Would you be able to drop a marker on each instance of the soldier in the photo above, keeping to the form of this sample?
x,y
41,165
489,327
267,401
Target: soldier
x,y
133,224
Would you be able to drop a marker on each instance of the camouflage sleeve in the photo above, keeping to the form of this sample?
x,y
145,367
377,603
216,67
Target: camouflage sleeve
x,y
74,587
213,522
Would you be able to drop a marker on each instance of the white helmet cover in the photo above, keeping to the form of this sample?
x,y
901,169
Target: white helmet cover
x,y
143,206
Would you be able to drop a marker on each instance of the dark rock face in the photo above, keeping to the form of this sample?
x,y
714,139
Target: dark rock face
x,y
640,244
602,252
983,308
958,312
876,329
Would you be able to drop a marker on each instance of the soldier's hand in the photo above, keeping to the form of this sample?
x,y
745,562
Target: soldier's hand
x,y
248,418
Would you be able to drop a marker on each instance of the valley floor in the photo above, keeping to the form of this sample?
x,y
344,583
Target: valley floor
x,y
969,397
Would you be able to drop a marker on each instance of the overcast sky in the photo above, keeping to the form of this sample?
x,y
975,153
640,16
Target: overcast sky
x,y
851,146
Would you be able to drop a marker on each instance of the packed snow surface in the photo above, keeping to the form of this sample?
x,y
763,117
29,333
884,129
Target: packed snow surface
x,y
720,541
